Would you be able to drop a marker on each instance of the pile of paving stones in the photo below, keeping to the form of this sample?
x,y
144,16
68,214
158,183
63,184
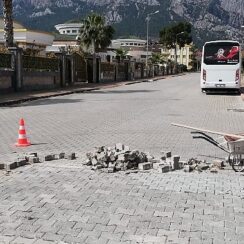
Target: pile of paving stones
x,y
121,158
33,158
194,164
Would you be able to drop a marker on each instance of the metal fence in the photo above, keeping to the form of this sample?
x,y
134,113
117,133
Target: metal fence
x,y
5,60
40,63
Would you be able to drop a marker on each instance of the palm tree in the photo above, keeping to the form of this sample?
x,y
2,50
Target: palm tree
x,y
8,23
121,54
95,34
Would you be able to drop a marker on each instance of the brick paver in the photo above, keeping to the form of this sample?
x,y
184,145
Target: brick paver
x,y
65,202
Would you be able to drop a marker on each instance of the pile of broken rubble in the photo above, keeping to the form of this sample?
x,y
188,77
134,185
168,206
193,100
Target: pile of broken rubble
x,y
121,158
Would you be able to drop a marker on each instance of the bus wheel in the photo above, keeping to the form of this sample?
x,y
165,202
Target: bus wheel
x,y
202,90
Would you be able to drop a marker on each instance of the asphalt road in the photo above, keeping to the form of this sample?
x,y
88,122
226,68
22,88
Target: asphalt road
x,y
66,202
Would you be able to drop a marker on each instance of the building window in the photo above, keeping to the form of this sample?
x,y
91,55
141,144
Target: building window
x,y
68,31
74,31
63,32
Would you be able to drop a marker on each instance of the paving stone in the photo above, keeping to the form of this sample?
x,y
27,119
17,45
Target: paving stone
x,y
145,166
33,160
176,160
164,169
168,154
21,240
49,157
61,155
70,156
218,163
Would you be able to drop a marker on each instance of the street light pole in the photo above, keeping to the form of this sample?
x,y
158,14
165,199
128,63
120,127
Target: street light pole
x,y
148,19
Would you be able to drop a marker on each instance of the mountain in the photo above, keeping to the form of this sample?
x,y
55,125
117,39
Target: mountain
x,y
211,19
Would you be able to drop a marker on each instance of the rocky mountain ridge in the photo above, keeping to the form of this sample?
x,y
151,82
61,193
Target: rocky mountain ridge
x,y
211,19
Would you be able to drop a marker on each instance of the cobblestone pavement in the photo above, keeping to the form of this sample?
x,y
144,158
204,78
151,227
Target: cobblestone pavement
x,y
65,202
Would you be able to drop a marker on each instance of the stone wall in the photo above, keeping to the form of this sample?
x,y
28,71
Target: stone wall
x,y
34,80
107,72
6,80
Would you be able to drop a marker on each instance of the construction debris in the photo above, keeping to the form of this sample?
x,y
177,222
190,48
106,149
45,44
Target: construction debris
x,y
194,164
121,158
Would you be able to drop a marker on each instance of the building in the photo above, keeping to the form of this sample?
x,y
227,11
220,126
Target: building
x,y
63,42
184,55
28,39
69,28
136,48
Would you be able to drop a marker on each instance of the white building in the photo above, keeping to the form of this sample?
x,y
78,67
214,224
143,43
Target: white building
x,y
69,28
128,43
136,48
184,55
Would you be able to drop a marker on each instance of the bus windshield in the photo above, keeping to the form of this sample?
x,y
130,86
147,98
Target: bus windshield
x,y
222,53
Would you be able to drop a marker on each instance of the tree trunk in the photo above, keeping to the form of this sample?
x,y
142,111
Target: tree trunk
x,y
94,61
8,23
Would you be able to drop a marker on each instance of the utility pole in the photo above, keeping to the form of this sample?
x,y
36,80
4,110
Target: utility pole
x,y
148,19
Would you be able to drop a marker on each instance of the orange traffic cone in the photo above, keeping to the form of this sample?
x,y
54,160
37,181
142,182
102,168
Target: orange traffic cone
x,y
22,140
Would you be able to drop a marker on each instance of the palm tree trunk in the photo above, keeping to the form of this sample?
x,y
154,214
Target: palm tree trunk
x,y
8,23
94,61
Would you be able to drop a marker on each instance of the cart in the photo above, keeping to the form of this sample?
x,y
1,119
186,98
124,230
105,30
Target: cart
x,y
233,144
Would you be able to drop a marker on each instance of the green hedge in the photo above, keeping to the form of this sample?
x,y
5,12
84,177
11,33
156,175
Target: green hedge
x,y
40,63
5,60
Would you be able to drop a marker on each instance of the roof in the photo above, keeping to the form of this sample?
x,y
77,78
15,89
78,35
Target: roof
x,y
230,41
16,24
19,27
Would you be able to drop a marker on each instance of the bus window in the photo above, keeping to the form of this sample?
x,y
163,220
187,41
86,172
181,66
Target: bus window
x,y
221,54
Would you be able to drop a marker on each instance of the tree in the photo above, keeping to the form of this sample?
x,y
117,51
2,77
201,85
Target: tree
x,y
169,35
195,58
158,58
8,23
177,34
96,34
121,54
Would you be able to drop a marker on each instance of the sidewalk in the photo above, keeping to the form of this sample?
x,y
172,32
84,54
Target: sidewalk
x,y
20,97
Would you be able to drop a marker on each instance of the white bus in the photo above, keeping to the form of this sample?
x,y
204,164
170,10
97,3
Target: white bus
x,y
221,66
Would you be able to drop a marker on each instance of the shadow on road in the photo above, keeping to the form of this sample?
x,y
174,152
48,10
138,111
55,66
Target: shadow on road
x,y
123,91
226,93
47,101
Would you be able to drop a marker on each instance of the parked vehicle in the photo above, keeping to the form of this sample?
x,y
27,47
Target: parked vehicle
x,y
221,66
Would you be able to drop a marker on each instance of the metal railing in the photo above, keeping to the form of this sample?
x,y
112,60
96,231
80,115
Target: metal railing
x,y
5,61
40,63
